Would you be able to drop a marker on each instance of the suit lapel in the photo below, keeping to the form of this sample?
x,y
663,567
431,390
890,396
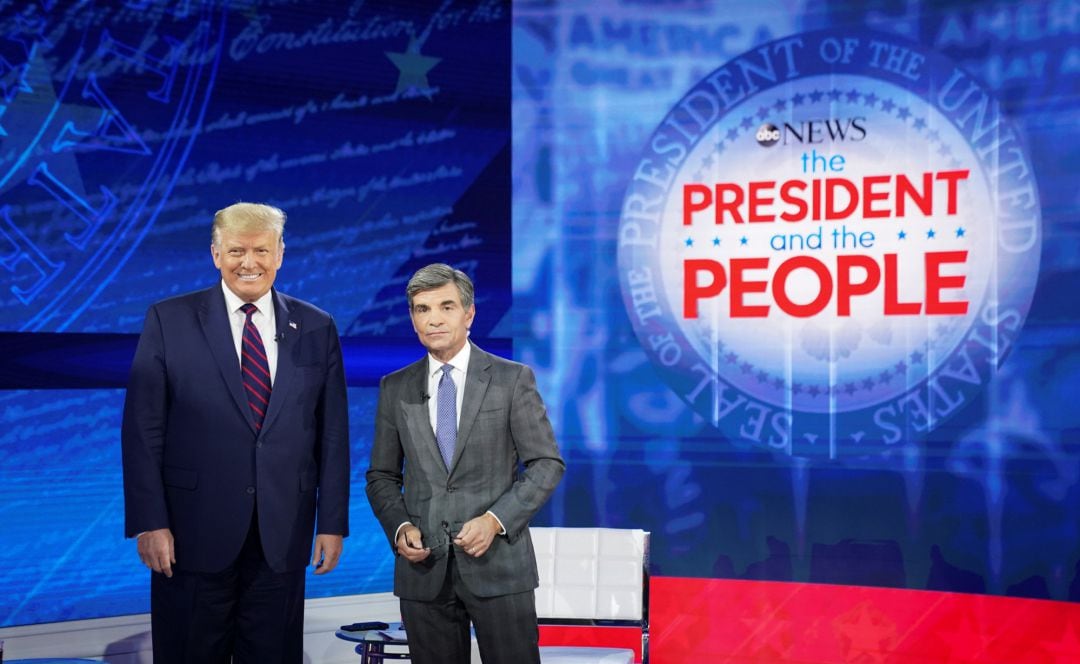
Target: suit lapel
x,y
476,384
214,318
287,332
417,416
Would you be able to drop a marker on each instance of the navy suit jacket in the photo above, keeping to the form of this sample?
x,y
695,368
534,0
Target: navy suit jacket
x,y
506,460
193,460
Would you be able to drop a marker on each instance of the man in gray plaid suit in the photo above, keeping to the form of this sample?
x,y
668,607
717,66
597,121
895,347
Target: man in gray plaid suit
x,y
463,457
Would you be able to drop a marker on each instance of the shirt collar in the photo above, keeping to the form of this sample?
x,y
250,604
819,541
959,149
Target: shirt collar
x,y
264,304
459,361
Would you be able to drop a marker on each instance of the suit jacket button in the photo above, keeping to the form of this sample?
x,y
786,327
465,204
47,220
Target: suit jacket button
x,y
250,489
445,524
451,489
258,444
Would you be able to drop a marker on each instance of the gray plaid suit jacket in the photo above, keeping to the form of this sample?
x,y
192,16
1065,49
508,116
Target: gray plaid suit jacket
x,y
503,425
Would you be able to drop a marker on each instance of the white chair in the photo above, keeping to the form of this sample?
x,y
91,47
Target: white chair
x,y
595,577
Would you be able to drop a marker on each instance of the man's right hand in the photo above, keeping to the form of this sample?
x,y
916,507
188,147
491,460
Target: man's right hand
x,y
156,550
410,543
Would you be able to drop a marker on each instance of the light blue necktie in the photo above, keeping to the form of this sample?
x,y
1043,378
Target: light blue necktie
x,y
446,416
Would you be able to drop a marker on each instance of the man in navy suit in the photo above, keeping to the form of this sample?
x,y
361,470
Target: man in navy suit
x,y
463,457
236,452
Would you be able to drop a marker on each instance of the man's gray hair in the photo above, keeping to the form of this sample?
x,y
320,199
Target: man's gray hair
x,y
248,218
438,275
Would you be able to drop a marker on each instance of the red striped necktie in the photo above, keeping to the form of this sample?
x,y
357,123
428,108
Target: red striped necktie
x,y
254,367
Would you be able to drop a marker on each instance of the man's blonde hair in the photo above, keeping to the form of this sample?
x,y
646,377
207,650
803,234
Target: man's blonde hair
x,y
248,218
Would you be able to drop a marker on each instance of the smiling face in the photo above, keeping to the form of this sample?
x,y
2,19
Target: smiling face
x,y
440,321
248,261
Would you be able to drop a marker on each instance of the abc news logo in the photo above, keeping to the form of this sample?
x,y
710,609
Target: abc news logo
x,y
812,132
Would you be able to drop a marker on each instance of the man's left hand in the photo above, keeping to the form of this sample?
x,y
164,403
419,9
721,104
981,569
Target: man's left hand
x,y
477,534
327,553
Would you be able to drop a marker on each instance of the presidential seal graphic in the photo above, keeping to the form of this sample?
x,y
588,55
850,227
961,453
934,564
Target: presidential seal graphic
x,y
830,243
95,126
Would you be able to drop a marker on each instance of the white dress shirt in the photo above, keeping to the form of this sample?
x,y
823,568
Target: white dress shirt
x,y
263,320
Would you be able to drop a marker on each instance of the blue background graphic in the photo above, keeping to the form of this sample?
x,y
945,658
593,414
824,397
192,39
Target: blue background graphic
x,y
984,503
381,128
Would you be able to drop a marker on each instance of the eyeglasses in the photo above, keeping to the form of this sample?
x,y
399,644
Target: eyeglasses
x,y
442,547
